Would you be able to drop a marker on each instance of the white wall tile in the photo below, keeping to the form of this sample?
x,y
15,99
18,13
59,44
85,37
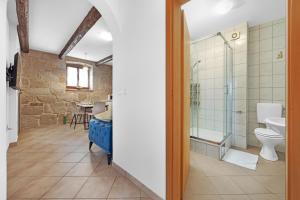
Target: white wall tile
x,y
240,58
253,70
253,82
279,42
266,81
240,93
253,47
253,94
240,46
266,94
279,29
252,116
240,141
279,81
254,34
252,104
240,70
240,82
266,57
278,94
253,59
266,45
266,32
266,69
279,68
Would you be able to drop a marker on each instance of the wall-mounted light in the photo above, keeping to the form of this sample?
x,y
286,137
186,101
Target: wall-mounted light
x,y
224,6
106,36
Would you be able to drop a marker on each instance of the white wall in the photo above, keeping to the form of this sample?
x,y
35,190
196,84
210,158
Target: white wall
x,y
3,139
12,95
139,109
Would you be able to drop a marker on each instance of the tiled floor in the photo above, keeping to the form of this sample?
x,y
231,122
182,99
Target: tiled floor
x,y
55,163
211,179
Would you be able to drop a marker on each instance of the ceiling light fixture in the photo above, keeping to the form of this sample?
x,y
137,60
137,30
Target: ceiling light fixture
x,y
106,36
224,6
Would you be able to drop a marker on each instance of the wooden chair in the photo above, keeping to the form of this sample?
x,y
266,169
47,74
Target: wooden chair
x,y
77,113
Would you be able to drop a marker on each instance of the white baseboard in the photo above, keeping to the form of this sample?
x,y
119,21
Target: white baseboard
x,y
12,136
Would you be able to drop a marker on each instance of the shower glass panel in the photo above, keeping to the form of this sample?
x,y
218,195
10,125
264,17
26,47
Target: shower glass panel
x,y
211,89
229,90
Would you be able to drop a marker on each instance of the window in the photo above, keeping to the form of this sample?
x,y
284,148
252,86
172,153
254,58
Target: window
x,y
78,76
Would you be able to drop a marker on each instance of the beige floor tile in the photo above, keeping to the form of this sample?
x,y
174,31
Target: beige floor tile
x,y
202,197
225,185
38,169
264,197
268,168
94,157
82,169
67,187
59,169
17,167
194,171
22,199
73,157
105,170
16,183
249,185
235,197
128,199
275,184
64,148
200,185
123,188
31,156
281,196
53,157
85,149
96,187
37,188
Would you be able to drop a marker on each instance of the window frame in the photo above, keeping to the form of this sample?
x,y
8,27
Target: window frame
x,y
78,66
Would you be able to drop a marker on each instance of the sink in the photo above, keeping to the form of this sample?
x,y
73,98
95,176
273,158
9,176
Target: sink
x,y
276,124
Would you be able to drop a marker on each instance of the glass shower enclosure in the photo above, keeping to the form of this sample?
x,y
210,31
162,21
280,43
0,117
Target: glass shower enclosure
x,y
211,89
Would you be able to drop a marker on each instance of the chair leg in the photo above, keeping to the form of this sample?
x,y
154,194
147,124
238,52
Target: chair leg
x,y
80,118
72,120
75,122
90,145
109,158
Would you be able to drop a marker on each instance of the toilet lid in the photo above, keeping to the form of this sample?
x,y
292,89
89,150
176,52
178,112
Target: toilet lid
x,y
267,133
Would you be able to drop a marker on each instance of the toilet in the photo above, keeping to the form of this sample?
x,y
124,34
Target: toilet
x,y
266,136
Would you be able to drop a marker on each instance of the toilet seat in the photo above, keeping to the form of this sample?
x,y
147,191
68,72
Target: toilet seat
x,y
268,133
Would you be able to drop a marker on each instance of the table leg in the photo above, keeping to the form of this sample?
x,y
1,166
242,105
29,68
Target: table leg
x,y
85,120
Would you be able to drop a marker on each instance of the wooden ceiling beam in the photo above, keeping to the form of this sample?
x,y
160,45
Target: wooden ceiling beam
x,y
88,22
22,7
104,60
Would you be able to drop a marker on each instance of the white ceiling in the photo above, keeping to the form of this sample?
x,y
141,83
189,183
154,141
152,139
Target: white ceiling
x,y
202,18
52,23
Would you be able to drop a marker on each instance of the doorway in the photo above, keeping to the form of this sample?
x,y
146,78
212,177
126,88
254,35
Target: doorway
x,y
175,184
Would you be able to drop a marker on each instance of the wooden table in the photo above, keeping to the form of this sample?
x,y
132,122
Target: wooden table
x,y
85,107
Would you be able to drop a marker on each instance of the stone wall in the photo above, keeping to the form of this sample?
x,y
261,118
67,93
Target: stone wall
x,y
44,99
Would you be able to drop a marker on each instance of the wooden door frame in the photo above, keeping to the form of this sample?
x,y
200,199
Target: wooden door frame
x,y
174,100
293,105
